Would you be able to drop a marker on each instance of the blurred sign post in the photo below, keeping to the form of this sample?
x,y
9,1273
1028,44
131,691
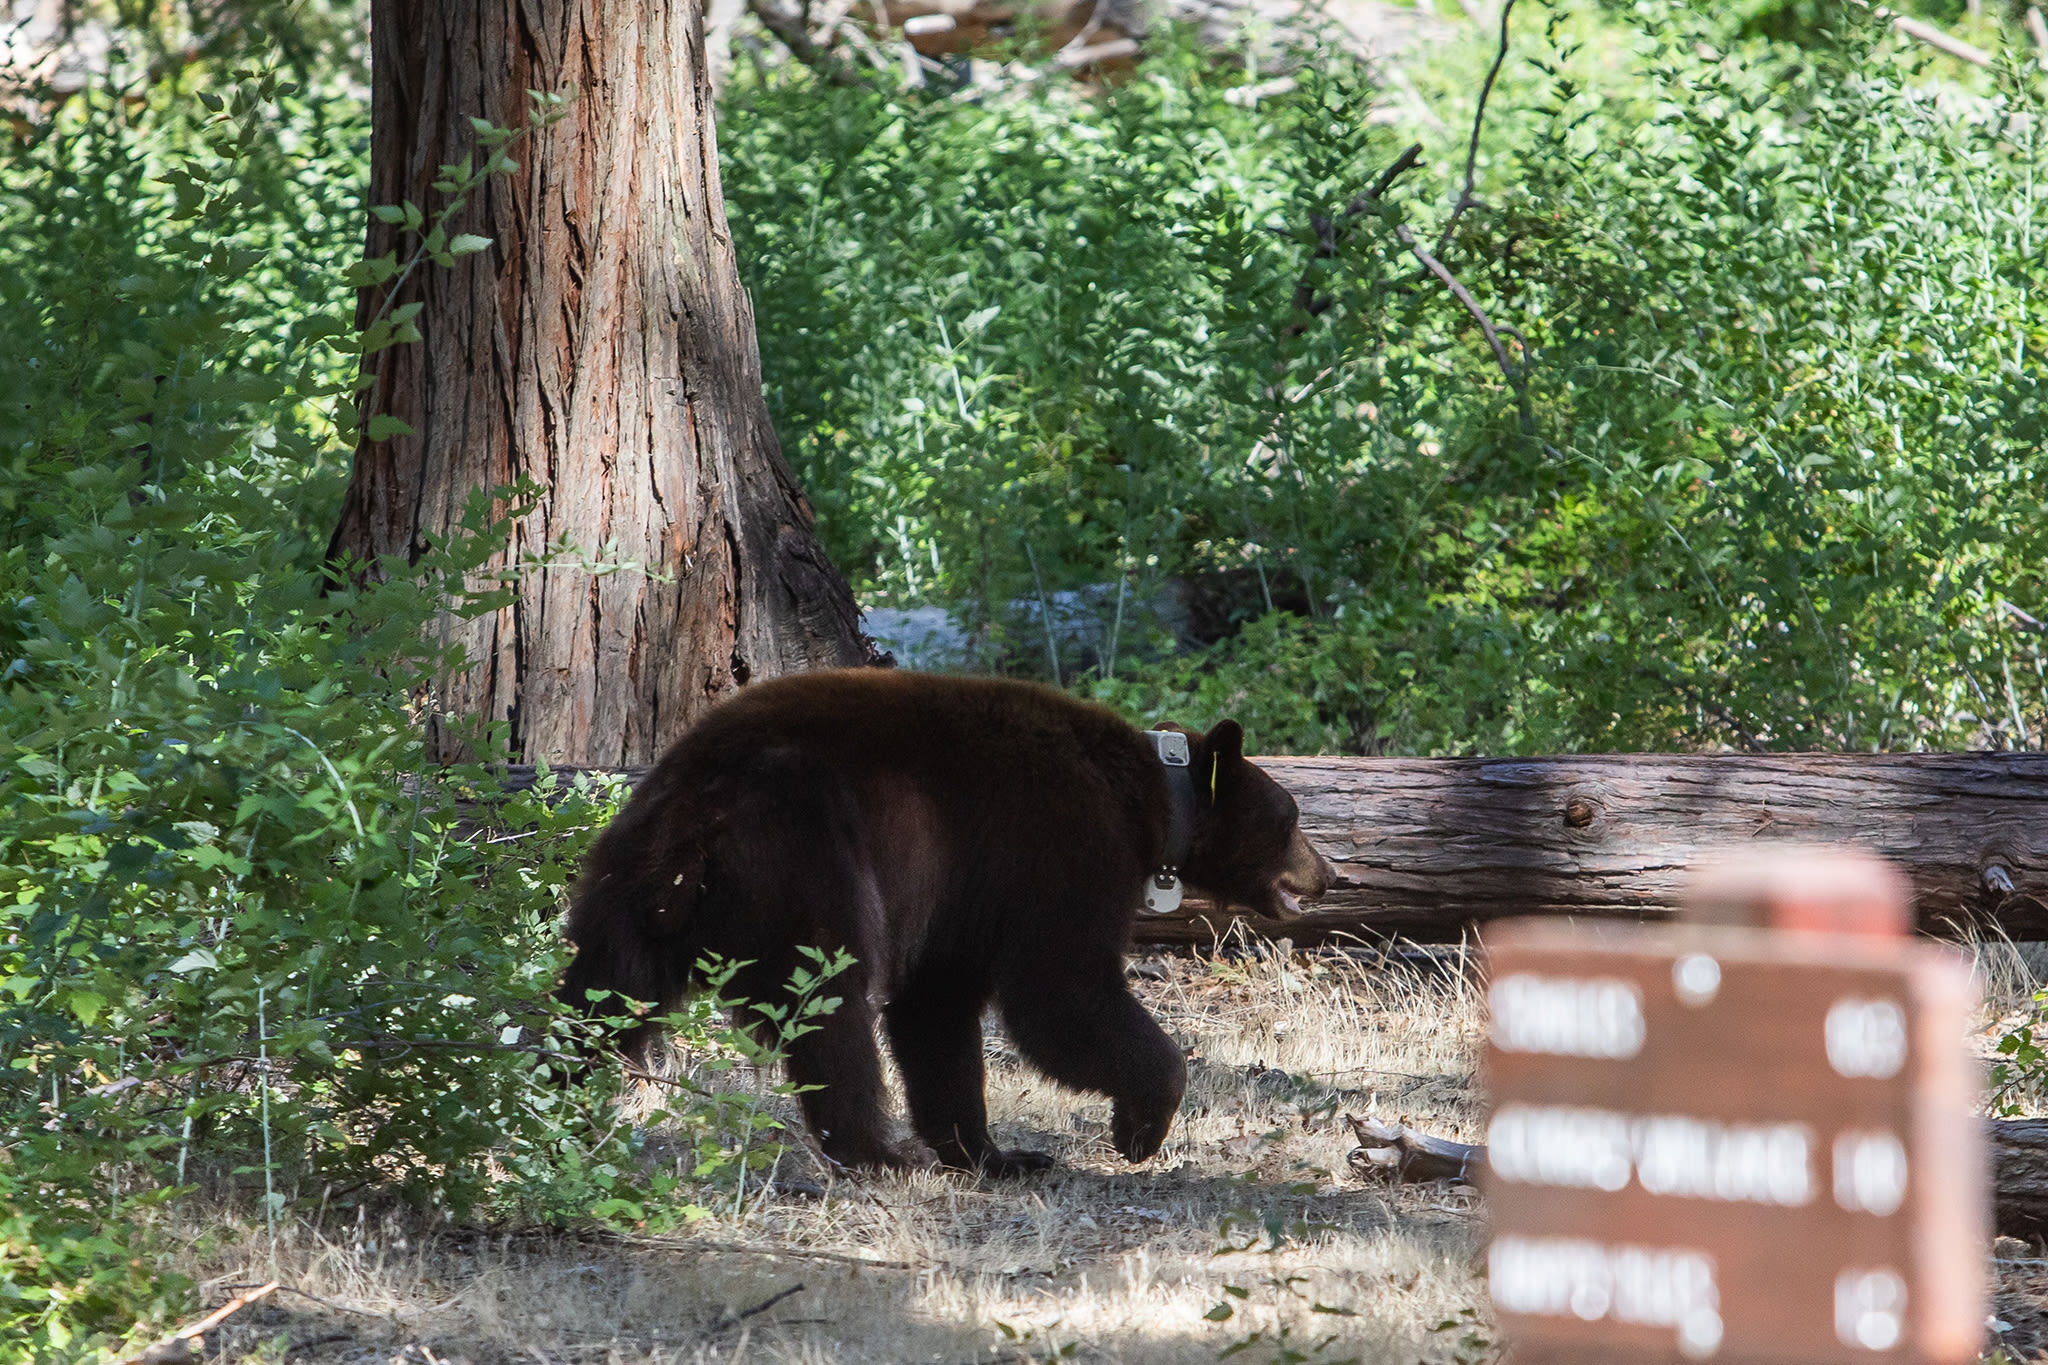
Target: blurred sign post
x,y
1748,1138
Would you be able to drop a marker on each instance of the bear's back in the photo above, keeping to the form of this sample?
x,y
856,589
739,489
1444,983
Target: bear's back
x,y
929,725
991,762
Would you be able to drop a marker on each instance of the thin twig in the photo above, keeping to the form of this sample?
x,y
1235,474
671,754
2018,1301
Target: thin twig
x,y
728,1321
324,1303
1464,296
1465,199
795,1253
1403,163
1052,649
1330,235
193,1335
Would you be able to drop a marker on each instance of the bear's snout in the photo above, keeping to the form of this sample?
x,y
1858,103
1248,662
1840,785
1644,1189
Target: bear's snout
x,y
1306,875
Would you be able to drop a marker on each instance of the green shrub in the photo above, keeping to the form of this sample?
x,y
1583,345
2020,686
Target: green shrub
x,y
1777,482
248,938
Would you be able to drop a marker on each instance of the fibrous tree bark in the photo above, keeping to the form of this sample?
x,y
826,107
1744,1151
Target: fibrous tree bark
x,y
602,349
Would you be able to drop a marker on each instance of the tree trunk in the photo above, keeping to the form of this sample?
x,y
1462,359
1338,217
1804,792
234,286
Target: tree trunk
x,y
1426,847
603,350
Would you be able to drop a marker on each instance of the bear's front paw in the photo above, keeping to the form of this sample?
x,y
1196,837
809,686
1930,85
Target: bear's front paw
x,y
1138,1136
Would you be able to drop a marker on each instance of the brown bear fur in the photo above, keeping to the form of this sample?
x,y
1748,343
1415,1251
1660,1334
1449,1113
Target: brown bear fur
x,y
967,840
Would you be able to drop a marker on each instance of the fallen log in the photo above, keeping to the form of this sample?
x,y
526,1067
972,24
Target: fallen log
x,y
1402,1153
2019,1164
1426,848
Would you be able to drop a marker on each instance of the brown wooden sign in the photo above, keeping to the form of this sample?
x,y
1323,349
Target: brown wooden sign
x,y
1721,1142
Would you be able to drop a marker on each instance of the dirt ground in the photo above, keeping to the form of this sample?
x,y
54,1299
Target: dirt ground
x,y
1249,1229
1094,1261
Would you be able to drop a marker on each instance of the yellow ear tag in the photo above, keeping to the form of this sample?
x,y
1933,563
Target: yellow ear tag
x,y
1212,779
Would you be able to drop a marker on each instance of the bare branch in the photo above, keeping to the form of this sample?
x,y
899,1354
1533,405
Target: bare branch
x,y
1403,163
1330,234
1940,40
2024,620
794,29
1465,199
187,1345
1464,296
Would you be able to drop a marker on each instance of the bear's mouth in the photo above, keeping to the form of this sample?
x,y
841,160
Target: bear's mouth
x,y
1306,876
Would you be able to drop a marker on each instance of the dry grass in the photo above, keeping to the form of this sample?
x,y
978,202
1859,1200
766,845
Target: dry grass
x,y
1095,1261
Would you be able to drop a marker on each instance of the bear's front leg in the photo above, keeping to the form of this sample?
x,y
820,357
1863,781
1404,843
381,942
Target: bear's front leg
x,y
1084,1029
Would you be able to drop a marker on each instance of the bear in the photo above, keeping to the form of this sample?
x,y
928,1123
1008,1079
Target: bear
x,y
967,841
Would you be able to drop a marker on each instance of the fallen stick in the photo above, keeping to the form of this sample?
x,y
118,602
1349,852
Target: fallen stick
x,y
187,1345
1399,1151
1116,49
727,1321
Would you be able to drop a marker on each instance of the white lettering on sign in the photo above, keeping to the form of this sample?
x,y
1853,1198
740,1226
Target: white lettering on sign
x,y
1645,1286
1567,1016
1870,1309
1870,1173
1866,1038
1555,1144
1685,1158
1697,979
1752,1163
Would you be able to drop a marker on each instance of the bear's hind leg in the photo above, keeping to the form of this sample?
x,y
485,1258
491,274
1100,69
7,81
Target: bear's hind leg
x,y
1083,1028
792,871
845,1109
935,1033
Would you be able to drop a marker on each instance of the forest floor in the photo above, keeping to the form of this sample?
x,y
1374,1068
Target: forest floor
x,y
1251,1207
1094,1261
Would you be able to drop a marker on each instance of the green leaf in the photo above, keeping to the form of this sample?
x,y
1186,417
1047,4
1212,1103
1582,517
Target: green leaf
x,y
198,959
384,426
467,244
372,272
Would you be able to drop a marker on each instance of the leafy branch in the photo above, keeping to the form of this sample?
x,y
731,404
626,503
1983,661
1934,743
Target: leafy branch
x,y
395,324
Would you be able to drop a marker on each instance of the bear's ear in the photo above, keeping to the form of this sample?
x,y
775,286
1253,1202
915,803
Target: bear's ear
x,y
1225,740
1224,750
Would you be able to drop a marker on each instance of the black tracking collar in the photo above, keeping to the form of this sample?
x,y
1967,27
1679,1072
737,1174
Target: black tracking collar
x,y
1163,887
